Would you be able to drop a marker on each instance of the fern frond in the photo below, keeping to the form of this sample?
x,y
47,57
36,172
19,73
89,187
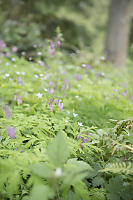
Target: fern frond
x,y
119,168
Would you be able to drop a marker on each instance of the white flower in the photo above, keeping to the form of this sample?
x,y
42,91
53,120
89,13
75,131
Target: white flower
x,y
66,121
7,64
35,75
107,98
39,53
80,124
13,59
77,97
35,45
41,75
83,65
58,172
7,75
17,73
75,115
30,58
102,58
86,76
45,89
23,73
39,95
23,53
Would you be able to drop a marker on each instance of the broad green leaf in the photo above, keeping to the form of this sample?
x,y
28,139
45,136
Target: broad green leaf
x,y
42,192
75,171
41,170
58,151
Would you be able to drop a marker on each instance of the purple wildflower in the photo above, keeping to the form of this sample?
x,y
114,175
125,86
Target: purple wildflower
x,y
15,97
115,90
125,92
60,105
52,52
63,88
1,54
2,44
51,83
58,37
19,80
7,54
51,101
79,137
52,44
22,150
7,111
78,77
58,43
131,97
69,86
41,63
22,83
88,67
84,140
18,99
82,145
51,91
11,132
55,101
14,49
51,107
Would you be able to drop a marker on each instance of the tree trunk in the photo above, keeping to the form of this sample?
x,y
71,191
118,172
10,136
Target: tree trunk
x,y
118,30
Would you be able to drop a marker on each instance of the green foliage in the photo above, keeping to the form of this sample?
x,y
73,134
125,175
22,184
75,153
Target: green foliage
x,y
117,190
24,23
119,168
64,154
59,148
41,193
59,175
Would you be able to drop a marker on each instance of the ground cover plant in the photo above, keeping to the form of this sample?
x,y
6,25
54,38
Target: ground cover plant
x,y
65,126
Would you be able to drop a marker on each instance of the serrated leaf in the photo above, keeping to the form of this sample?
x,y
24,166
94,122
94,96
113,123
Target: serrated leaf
x,y
97,181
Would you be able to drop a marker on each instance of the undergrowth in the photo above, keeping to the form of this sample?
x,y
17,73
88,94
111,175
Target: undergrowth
x,y
65,127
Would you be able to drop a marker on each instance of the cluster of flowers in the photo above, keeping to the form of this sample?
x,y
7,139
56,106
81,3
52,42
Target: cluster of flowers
x,y
84,138
55,101
53,45
3,45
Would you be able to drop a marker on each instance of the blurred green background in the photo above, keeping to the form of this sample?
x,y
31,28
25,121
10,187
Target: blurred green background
x,y
26,22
